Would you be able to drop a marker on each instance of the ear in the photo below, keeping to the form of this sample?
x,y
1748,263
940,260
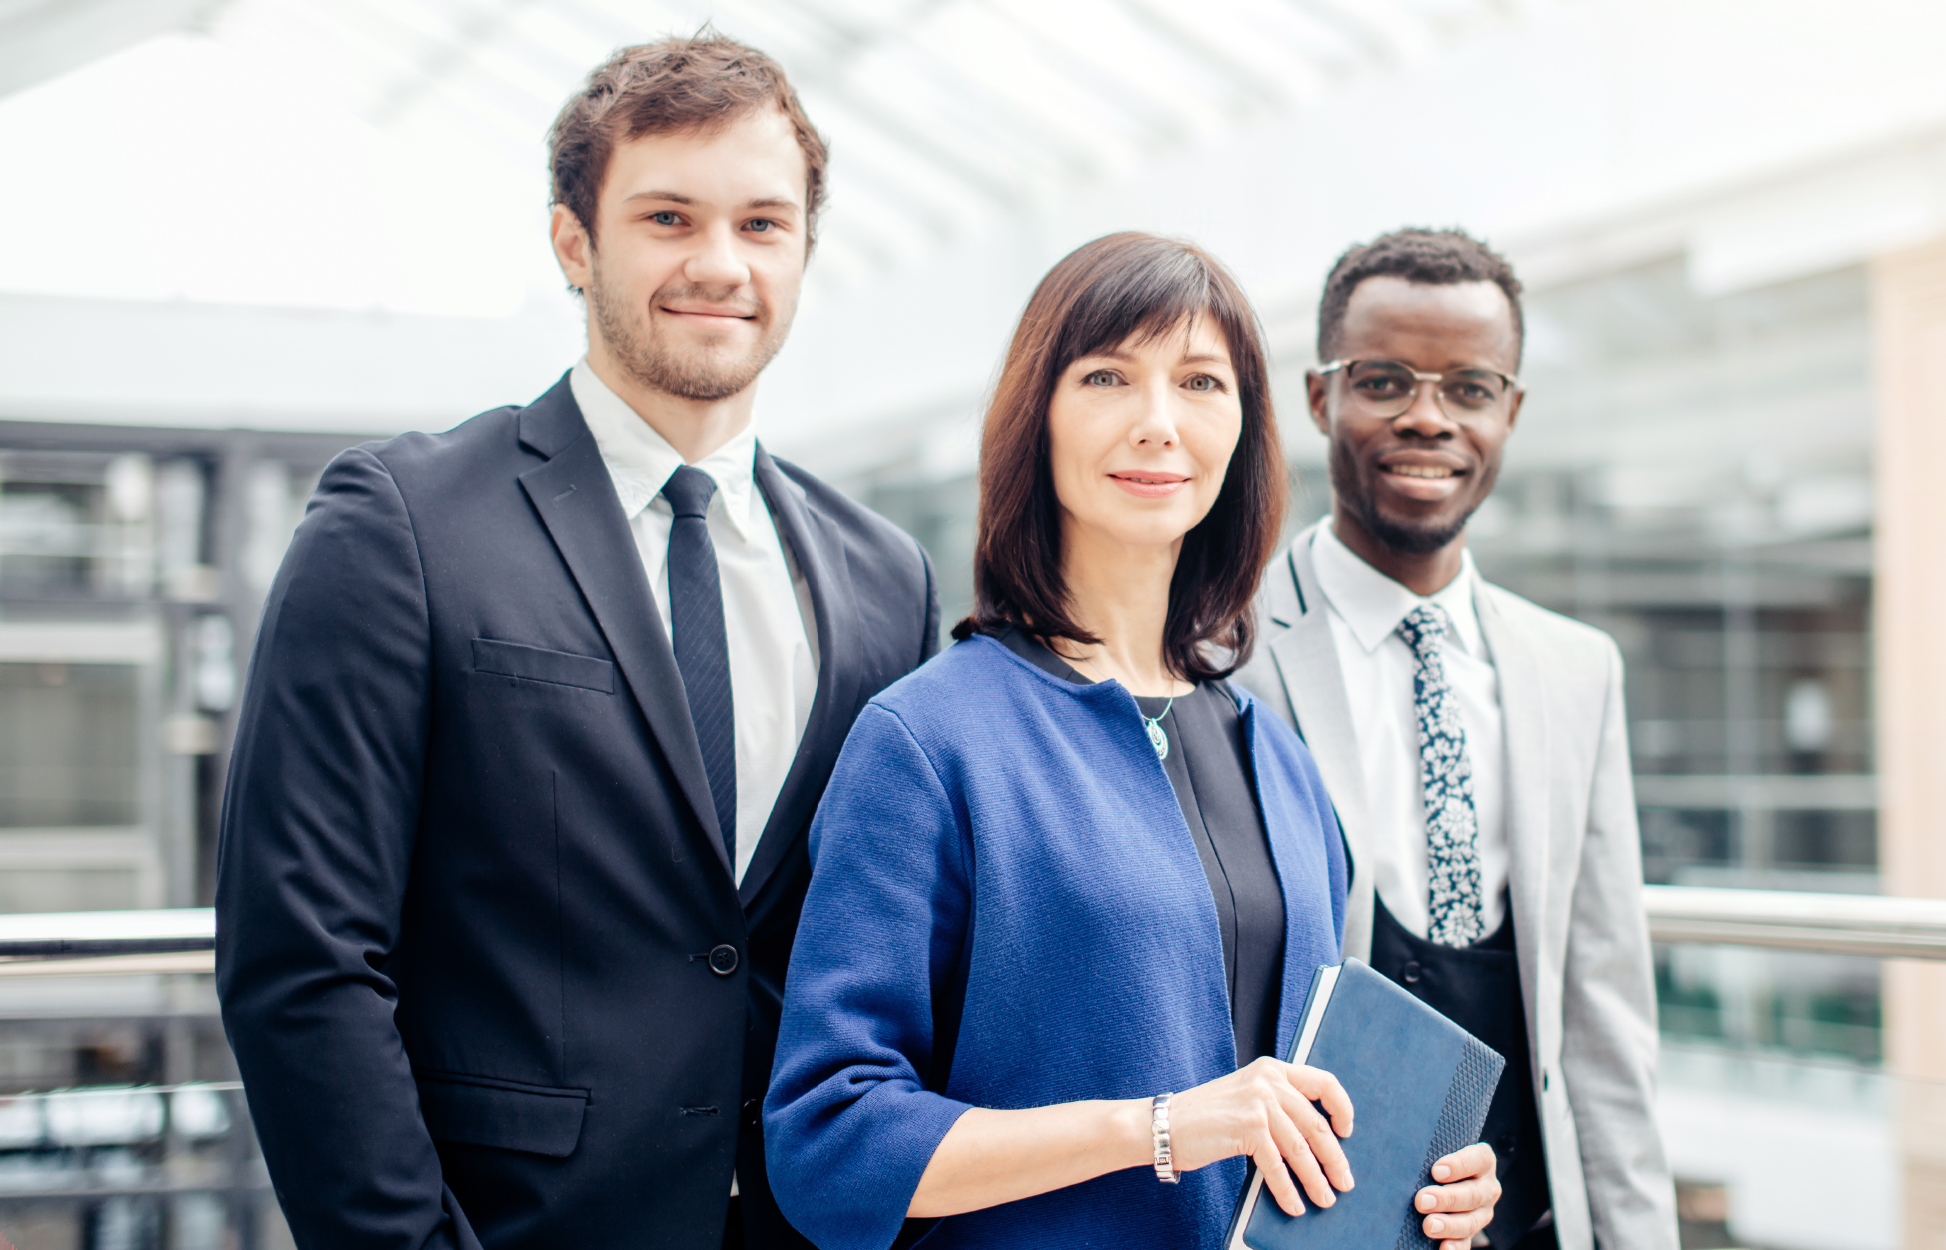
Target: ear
x,y
1513,411
1315,393
572,247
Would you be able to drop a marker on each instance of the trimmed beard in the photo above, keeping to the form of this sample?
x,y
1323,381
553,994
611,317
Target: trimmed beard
x,y
1405,540
650,363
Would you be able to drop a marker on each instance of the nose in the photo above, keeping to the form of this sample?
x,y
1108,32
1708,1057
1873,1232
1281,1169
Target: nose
x,y
716,264
1424,416
1155,418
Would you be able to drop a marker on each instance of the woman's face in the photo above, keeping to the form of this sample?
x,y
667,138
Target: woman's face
x,y
1141,435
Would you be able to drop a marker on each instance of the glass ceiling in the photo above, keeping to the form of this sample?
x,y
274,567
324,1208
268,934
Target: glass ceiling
x,y
942,114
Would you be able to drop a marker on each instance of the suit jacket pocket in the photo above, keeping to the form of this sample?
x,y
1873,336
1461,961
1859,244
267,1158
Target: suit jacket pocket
x,y
562,668
479,1111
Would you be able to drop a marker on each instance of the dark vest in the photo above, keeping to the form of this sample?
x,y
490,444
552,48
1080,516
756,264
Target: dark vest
x,y
1478,988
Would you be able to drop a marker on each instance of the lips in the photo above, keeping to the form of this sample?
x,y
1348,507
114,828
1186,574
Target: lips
x,y
1148,485
1421,482
718,314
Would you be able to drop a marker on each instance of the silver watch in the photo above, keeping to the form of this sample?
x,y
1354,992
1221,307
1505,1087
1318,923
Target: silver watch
x,y
1165,1159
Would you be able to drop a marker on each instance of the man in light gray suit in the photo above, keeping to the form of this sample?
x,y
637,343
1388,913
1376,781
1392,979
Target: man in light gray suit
x,y
1474,743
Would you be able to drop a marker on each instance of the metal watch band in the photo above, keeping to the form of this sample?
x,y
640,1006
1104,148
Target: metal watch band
x,y
1165,1159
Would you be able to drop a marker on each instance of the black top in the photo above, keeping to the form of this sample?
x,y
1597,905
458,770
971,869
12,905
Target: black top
x,y
1209,767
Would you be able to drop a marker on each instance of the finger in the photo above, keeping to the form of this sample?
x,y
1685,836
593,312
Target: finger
x,y
1465,1196
1474,1160
1458,1225
1452,1230
1318,1137
1293,1142
1320,1086
1277,1178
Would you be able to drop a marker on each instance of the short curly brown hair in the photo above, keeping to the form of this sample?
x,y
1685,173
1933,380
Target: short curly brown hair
x,y
694,85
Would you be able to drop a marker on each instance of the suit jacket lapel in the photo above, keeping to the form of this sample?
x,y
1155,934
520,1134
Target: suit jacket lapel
x,y
1307,662
1523,711
821,557
576,500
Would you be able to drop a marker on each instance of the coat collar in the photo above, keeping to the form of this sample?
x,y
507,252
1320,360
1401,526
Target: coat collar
x,y
1530,788
821,556
1307,663
575,497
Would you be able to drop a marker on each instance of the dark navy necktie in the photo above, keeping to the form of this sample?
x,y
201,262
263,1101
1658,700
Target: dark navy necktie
x,y
702,645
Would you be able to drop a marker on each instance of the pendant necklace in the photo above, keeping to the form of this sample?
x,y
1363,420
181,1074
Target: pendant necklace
x,y
1153,724
1158,739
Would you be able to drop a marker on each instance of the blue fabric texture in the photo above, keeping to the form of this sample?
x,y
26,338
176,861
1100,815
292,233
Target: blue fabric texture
x,y
1001,842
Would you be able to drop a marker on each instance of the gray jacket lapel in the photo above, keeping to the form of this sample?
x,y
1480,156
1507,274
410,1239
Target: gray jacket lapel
x,y
1307,664
1523,712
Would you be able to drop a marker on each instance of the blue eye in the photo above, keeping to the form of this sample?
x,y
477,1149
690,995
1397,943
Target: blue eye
x,y
1100,377
665,218
762,225
1202,382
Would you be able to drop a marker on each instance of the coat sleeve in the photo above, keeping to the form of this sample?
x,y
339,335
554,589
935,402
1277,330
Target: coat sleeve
x,y
1608,1054
929,629
319,820
849,1124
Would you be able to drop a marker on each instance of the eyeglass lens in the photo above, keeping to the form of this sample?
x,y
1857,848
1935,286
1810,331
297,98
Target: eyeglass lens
x,y
1385,389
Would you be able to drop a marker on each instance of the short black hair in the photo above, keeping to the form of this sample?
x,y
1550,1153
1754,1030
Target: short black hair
x,y
1434,257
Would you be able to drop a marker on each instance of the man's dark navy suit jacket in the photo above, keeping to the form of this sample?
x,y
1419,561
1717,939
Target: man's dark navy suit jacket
x,y
471,877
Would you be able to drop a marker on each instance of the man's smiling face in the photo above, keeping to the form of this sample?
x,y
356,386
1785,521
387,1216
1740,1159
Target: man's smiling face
x,y
693,276
1411,481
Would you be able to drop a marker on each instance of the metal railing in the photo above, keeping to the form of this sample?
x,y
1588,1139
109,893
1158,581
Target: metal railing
x,y
108,943
184,941
1845,924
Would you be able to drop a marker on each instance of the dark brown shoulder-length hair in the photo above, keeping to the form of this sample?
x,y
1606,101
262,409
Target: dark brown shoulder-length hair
x,y
1119,289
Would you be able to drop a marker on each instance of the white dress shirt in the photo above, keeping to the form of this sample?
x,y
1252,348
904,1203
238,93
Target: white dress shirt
x,y
1366,608
767,613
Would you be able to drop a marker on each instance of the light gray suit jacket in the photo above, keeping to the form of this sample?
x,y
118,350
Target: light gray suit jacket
x,y
1582,937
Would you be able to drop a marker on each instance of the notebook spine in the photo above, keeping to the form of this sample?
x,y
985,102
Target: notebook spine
x,y
1460,1119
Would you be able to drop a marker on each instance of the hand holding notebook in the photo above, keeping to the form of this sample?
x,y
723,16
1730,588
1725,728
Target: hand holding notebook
x,y
1422,1086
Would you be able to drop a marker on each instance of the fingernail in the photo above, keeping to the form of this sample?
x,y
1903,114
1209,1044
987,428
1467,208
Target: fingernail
x,y
1425,1199
1434,1226
1440,1171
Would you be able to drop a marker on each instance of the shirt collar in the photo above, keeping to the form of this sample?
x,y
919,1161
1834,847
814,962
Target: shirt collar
x,y
640,460
1372,604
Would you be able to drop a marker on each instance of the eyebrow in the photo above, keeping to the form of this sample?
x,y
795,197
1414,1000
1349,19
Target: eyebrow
x,y
676,197
1116,353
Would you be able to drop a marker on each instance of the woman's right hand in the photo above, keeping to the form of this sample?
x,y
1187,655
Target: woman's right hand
x,y
1264,1111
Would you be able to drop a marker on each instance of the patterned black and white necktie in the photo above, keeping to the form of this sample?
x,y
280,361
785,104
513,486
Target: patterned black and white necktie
x,y
700,640
1452,824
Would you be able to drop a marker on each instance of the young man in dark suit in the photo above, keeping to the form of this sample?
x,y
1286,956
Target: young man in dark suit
x,y
514,841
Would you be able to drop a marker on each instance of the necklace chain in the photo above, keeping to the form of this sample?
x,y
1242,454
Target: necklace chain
x,y
1158,738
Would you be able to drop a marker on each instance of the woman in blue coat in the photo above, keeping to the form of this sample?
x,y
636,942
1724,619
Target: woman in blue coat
x,y
1069,885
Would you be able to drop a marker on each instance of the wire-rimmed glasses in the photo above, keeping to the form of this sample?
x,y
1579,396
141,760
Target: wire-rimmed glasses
x,y
1386,388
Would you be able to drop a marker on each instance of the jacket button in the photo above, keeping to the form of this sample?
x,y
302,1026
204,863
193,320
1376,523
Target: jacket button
x,y
1410,973
723,960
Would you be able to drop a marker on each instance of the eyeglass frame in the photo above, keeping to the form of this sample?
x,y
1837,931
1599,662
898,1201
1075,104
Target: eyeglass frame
x,y
1345,365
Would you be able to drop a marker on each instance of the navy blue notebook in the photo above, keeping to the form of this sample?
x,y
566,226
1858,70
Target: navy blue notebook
x,y
1419,1087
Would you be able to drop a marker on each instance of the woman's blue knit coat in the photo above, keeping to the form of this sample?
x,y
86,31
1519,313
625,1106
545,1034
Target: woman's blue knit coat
x,y
999,838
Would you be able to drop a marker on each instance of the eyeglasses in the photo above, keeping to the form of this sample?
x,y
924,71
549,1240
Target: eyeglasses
x,y
1386,388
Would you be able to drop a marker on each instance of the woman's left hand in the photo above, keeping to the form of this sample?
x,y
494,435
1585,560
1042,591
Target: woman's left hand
x,y
1462,1203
